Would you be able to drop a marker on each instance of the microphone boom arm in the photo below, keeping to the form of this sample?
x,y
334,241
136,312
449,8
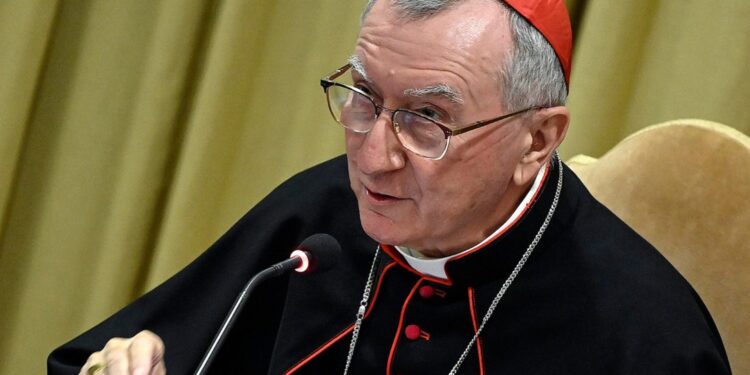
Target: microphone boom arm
x,y
270,272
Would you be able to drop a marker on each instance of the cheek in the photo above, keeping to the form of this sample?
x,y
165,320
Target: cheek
x,y
354,182
440,188
352,142
463,185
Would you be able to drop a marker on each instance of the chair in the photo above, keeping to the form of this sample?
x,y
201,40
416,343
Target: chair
x,y
684,185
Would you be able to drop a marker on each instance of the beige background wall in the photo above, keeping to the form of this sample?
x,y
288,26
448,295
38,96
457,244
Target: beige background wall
x,y
133,133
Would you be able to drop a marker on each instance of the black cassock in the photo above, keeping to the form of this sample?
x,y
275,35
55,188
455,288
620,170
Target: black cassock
x,y
594,298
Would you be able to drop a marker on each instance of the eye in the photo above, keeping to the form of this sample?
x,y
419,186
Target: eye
x,y
364,90
370,93
430,113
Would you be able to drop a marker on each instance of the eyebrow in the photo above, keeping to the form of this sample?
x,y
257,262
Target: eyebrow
x,y
440,89
358,66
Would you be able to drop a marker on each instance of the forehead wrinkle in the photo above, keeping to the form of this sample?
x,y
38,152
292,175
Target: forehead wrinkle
x,y
440,89
464,52
458,68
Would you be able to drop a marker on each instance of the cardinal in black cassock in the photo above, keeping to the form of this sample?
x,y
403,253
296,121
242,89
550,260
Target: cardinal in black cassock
x,y
560,286
593,298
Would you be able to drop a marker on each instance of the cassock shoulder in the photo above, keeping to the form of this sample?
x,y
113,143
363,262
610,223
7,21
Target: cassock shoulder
x,y
639,300
187,309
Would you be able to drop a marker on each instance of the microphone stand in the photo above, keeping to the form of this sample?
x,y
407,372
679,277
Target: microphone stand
x,y
273,271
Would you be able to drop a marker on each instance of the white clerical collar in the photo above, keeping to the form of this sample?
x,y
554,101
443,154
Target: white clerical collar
x,y
436,266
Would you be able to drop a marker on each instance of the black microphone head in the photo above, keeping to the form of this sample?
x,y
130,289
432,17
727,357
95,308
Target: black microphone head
x,y
324,252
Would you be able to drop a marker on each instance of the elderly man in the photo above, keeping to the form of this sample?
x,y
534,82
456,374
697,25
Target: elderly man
x,y
489,256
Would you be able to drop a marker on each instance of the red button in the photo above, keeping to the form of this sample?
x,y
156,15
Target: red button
x,y
412,332
426,291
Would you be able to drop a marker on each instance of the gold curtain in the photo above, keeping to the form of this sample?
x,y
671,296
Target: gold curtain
x,y
133,133
642,62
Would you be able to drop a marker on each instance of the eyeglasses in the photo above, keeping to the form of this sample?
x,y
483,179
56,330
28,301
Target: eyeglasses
x,y
417,132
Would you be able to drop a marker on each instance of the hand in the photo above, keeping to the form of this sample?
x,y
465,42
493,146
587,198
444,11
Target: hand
x,y
142,354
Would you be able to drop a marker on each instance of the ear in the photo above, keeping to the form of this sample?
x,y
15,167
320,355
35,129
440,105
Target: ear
x,y
546,130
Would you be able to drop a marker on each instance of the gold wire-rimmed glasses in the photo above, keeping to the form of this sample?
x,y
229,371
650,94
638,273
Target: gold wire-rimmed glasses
x,y
357,111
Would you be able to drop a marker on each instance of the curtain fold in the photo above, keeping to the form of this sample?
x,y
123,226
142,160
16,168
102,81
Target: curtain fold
x,y
134,133
25,29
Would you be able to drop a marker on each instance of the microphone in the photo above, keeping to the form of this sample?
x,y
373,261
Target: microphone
x,y
317,253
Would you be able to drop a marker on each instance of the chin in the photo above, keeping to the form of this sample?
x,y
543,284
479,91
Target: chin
x,y
383,229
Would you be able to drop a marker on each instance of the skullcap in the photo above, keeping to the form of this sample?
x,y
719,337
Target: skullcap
x,y
551,18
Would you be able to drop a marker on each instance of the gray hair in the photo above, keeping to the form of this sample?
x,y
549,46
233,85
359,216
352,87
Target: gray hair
x,y
532,75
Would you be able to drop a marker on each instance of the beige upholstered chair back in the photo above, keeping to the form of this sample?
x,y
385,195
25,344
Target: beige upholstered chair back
x,y
685,186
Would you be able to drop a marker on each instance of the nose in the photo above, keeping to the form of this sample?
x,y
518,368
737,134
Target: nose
x,y
380,150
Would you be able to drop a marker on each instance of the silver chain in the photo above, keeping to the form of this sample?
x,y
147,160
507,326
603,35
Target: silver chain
x,y
515,271
495,301
361,311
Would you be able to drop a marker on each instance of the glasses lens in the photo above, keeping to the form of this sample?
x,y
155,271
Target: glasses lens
x,y
350,108
419,134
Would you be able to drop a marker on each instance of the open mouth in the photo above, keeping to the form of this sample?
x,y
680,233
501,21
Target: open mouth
x,y
379,197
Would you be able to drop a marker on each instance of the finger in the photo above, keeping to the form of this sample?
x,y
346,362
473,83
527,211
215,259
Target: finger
x,y
96,358
146,350
159,369
116,356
